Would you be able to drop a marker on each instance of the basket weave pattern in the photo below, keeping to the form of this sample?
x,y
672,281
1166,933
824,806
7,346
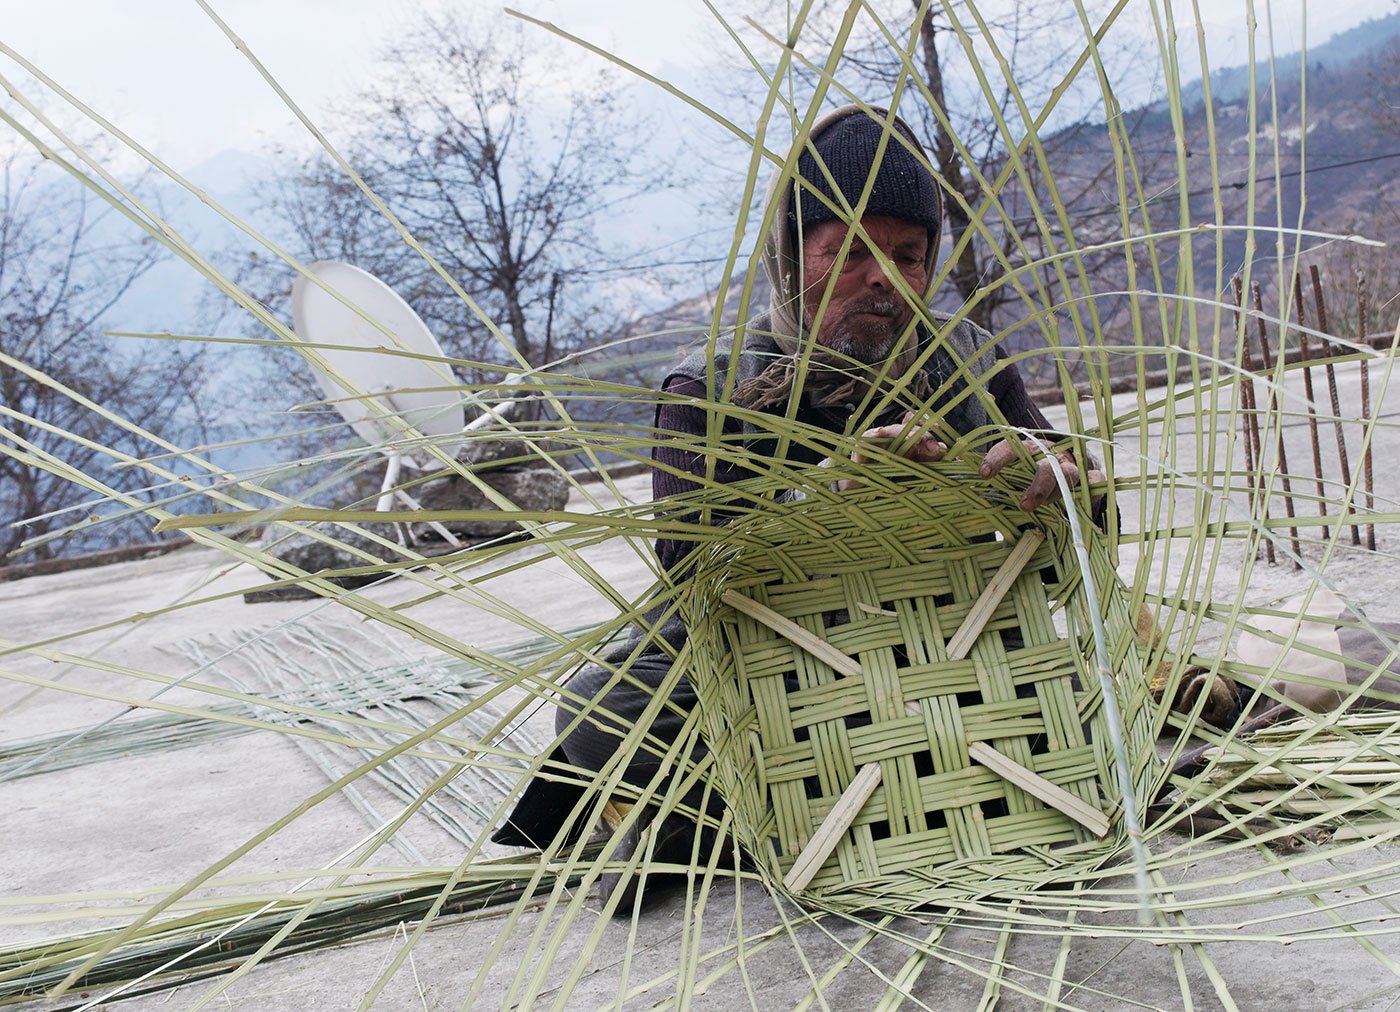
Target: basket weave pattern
x,y
889,588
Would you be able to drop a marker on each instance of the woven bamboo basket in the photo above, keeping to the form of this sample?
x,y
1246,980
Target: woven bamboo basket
x,y
937,642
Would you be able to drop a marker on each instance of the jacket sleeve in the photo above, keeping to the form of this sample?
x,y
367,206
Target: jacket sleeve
x,y
675,464
1008,389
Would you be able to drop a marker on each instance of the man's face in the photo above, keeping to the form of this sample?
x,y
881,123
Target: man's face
x,y
865,314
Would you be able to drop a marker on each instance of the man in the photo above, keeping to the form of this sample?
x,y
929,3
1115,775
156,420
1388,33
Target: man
x,y
859,309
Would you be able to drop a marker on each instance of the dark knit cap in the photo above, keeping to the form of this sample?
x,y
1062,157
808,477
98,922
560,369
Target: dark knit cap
x,y
903,188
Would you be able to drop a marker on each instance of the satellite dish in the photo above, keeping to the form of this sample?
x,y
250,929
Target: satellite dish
x,y
403,387
373,315
366,313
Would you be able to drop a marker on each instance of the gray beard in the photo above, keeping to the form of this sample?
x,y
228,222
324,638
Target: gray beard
x,y
860,349
843,337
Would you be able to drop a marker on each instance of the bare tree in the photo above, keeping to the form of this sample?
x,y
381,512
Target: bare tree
x,y
1040,44
501,171
61,272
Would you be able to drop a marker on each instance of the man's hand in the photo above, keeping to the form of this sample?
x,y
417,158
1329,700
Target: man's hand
x,y
924,449
1042,488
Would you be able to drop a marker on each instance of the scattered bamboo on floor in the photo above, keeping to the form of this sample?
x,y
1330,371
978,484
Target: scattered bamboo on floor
x,y
1253,452
1304,352
1342,457
1307,769
1282,450
494,883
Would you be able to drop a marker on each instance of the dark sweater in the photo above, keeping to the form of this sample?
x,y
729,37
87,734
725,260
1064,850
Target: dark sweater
x,y
1005,385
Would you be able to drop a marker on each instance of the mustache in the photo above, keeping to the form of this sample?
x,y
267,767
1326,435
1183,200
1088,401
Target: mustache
x,y
879,305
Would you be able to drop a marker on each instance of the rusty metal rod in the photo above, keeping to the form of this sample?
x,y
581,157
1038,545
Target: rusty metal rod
x,y
1304,354
1246,389
1253,455
1365,406
1281,449
1342,457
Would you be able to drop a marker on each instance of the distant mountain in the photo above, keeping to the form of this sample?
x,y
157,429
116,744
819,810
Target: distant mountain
x,y
172,296
1231,84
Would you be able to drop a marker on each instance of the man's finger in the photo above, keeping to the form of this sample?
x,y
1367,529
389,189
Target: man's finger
x,y
927,450
1044,487
924,450
882,432
1008,450
1041,489
998,457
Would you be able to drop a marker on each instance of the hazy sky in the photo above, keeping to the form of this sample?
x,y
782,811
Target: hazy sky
x,y
162,70
165,72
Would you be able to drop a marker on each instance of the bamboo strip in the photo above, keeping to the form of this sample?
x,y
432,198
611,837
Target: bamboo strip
x,y
1306,355
1034,784
832,828
1253,450
790,630
1365,367
986,603
1280,449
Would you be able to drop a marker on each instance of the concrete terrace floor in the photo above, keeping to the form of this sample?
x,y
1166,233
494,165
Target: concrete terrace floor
x,y
150,821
